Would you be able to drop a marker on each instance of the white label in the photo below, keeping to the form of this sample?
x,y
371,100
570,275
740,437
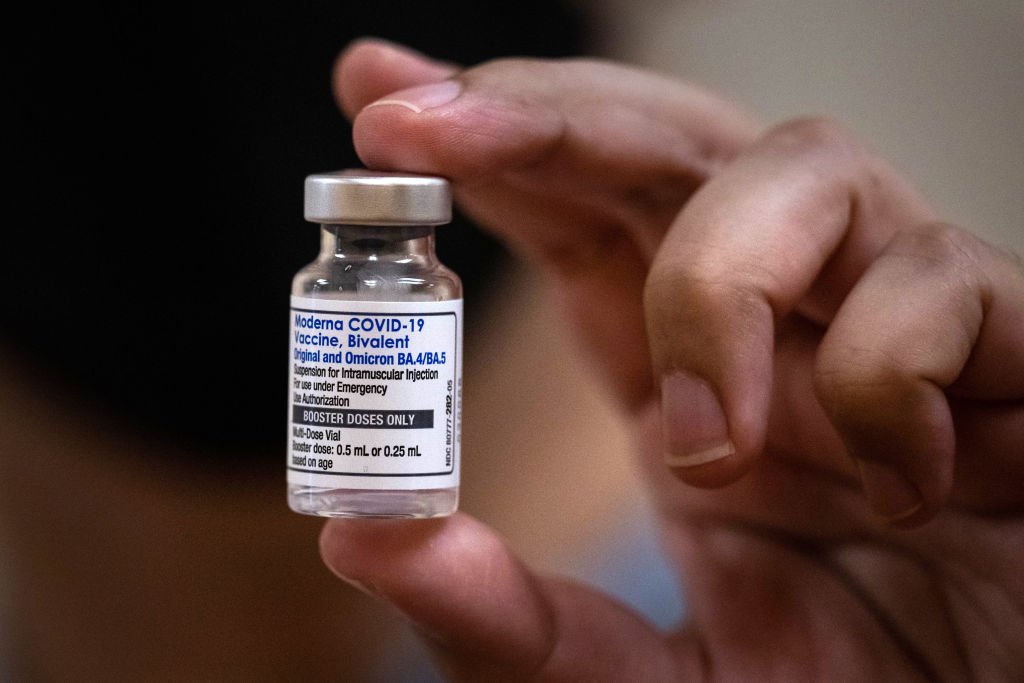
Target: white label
x,y
375,394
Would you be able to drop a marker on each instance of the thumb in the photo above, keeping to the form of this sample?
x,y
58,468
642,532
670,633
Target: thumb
x,y
483,613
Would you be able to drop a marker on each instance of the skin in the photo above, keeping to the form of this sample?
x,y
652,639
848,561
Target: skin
x,y
825,383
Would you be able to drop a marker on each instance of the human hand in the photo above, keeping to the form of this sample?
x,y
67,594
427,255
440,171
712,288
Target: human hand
x,y
799,304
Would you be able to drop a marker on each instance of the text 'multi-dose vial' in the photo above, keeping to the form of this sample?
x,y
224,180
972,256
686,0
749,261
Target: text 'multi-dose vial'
x,y
375,356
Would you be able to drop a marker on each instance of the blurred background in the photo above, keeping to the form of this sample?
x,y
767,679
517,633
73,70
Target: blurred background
x,y
157,162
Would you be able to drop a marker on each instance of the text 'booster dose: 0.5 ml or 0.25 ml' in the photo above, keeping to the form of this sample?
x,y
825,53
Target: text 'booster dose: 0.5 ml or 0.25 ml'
x,y
375,357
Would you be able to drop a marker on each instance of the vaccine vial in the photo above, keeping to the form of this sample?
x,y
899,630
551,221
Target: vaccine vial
x,y
375,354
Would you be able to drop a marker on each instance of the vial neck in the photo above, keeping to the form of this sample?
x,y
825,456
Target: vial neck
x,y
378,243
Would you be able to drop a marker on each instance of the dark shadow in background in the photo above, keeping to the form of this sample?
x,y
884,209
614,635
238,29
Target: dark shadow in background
x,y
158,160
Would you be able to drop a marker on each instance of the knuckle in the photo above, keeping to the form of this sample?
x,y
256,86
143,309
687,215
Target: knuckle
x,y
714,275
812,135
942,253
700,290
854,380
935,245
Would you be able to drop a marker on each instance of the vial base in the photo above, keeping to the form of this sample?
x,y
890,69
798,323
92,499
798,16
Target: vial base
x,y
415,504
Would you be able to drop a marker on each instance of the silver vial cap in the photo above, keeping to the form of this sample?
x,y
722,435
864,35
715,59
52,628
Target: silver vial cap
x,y
362,197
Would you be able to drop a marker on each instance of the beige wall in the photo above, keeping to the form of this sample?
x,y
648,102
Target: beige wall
x,y
935,86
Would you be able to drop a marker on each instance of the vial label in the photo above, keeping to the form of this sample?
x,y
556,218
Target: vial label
x,y
376,392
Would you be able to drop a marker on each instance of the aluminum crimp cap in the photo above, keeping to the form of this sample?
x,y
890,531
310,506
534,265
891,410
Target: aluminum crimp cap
x,y
363,197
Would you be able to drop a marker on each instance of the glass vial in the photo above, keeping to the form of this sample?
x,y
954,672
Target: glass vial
x,y
375,357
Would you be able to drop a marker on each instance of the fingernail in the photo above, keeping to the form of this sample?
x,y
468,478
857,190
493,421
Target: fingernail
x,y
889,493
422,96
693,423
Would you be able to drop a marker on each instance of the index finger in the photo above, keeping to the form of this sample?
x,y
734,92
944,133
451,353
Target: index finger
x,y
579,164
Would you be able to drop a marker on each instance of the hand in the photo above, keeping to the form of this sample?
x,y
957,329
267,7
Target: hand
x,y
816,335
